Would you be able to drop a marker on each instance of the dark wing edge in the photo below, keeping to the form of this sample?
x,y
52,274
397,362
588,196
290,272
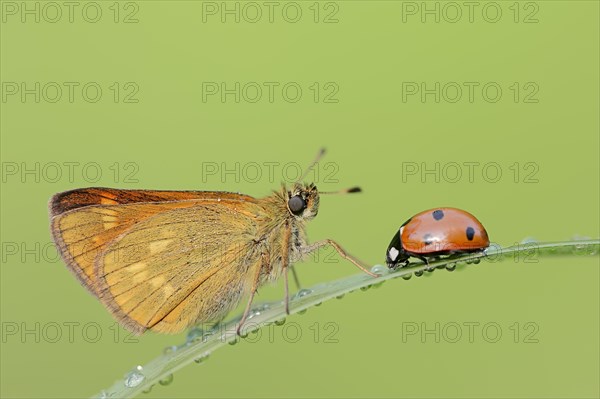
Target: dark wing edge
x,y
79,198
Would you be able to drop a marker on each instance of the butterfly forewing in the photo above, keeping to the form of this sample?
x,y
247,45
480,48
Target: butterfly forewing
x,y
167,246
83,197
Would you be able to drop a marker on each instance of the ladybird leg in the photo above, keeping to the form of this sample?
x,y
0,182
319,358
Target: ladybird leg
x,y
424,259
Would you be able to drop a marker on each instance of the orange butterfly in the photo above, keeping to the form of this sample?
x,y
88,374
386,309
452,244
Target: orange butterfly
x,y
166,260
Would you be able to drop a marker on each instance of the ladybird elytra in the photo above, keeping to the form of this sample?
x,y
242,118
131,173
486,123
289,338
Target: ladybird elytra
x,y
436,232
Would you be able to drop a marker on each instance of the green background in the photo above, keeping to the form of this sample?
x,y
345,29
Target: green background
x,y
372,136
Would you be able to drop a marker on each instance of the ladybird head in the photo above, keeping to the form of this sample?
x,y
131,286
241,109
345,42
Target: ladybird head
x,y
396,256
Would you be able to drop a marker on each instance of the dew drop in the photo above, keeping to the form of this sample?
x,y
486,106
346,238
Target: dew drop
x,y
197,340
318,304
280,322
149,389
254,330
477,261
340,296
580,249
584,248
202,358
451,267
234,341
379,284
529,240
303,292
209,333
134,378
253,313
263,307
194,334
365,288
302,311
167,380
103,395
419,273
378,269
407,276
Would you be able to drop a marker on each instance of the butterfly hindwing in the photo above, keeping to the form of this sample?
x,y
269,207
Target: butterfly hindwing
x,y
169,270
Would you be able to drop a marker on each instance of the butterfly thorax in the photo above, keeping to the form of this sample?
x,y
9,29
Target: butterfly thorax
x,y
282,233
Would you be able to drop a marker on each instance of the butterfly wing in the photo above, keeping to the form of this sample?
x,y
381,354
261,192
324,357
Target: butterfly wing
x,y
84,221
179,267
79,198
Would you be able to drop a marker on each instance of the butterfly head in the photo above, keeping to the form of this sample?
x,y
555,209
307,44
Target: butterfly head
x,y
303,201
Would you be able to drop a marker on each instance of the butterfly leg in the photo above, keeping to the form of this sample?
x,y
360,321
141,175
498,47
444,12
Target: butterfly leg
x,y
285,265
341,251
295,275
287,289
252,292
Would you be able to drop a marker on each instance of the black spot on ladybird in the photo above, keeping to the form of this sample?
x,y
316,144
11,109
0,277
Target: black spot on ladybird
x,y
438,214
470,233
427,239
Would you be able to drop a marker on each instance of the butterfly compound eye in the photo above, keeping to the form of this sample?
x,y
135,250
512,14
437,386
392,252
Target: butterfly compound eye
x,y
296,204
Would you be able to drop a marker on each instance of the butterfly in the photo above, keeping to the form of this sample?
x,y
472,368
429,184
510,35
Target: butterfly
x,y
167,260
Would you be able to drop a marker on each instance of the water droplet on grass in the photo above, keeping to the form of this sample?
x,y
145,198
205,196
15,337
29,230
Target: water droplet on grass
x,y
202,358
134,378
303,292
529,240
194,335
378,269
167,380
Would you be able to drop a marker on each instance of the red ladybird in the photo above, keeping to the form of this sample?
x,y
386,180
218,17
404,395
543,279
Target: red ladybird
x,y
435,232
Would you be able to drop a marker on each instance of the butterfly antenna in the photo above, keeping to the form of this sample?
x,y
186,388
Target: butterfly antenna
x,y
312,165
350,190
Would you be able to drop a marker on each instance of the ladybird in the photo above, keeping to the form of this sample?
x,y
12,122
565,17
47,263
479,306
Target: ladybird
x,y
436,232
